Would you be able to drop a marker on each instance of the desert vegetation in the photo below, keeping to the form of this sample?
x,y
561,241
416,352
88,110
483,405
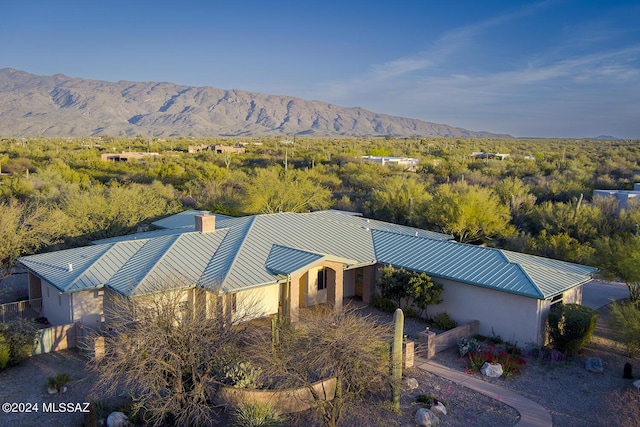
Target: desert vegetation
x,y
57,193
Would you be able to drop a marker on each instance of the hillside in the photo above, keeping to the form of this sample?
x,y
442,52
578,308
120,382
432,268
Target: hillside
x,y
60,106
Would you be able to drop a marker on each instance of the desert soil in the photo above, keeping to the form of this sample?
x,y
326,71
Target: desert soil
x,y
572,395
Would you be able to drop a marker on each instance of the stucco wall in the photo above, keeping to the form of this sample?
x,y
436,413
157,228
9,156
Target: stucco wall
x,y
514,318
349,278
573,296
88,307
56,306
258,302
314,296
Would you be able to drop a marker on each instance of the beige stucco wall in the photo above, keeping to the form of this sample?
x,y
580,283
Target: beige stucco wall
x,y
514,318
573,296
314,296
56,306
258,302
87,307
349,283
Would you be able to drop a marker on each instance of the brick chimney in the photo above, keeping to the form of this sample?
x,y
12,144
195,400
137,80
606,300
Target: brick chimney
x,y
205,223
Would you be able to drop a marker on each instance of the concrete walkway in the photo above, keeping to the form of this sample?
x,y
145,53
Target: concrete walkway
x,y
531,414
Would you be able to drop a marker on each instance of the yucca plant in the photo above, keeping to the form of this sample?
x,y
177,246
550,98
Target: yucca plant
x,y
256,415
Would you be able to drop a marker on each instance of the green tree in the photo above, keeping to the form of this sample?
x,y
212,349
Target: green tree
x,y
26,228
406,288
625,322
619,257
559,246
273,190
469,212
398,199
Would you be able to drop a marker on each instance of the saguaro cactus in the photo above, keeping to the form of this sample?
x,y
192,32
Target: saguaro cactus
x,y
396,356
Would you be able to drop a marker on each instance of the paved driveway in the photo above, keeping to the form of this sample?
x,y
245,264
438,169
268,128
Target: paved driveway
x,y
596,294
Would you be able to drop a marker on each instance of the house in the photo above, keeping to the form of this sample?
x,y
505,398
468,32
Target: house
x,y
260,261
408,163
624,197
483,155
126,156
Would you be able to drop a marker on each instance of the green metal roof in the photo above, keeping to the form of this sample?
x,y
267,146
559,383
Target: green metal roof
x,y
251,251
507,271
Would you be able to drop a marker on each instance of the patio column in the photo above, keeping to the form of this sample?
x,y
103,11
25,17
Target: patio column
x,y
294,297
369,283
335,284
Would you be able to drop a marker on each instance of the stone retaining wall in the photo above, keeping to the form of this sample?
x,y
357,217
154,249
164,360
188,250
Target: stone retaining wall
x,y
432,343
284,401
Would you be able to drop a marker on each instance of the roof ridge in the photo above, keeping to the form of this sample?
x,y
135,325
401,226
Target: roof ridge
x,y
535,285
175,238
252,221
84,271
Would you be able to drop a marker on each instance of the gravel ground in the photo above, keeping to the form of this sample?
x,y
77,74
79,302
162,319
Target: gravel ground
x,y
27,383
573,396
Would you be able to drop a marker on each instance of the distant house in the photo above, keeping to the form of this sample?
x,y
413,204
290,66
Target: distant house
x,y
623,196
236,149
258,262
126,156
408,163
483,155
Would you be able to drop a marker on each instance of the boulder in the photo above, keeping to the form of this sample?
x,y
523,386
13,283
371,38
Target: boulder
x,y
117,419
411,383
438,408
594,364
426,418
636,384
492,370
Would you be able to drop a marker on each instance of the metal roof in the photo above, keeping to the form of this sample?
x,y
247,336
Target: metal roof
x,y
256,250
184,219
521,274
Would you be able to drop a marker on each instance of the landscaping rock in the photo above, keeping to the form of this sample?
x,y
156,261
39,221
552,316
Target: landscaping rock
x,y
439,409
636,384
594,364
117,419
426,418
411,383
492,370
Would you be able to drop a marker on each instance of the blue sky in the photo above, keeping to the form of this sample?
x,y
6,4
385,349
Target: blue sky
x,y
554,68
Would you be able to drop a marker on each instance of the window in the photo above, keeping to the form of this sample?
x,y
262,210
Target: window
x,y
322,279
555,300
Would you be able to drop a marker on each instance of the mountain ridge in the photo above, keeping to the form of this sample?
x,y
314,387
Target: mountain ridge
x,y
62,106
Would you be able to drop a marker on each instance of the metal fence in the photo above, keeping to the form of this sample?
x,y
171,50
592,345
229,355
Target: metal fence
x,y
27,309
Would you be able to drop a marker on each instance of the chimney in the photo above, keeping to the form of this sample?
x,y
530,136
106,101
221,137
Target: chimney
x,y
205,223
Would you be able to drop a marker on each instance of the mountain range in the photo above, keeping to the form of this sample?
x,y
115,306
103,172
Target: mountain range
x,y
61,106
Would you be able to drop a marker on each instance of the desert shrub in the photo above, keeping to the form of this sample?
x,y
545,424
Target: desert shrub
x,y
625,321
444,322
4,352
256,415
384,304
59,381
571,326
467,345
477,359
242,375
511,363
20,336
